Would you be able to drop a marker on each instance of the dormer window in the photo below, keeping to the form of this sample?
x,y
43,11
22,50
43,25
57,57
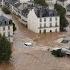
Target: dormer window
x,y
5,22
10,21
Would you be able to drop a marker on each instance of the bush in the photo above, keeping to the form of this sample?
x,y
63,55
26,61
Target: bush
x,y
5,49
58,53
6,10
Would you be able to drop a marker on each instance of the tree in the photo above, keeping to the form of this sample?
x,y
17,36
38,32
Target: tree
x,y
41,2
6,10
61,11
5,49
63,21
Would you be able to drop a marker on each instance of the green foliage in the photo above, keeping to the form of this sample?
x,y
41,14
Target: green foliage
x,y
5,49
41,2
61,11
58,53
6,10
63,21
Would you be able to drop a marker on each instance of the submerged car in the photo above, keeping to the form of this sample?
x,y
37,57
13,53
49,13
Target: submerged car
x,y
61,51
28,44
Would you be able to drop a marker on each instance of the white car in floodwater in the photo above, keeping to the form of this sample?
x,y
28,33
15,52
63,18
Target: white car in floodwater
x,y
28,44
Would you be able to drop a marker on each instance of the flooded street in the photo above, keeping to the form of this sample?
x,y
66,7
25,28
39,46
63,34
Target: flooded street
x,y
32,58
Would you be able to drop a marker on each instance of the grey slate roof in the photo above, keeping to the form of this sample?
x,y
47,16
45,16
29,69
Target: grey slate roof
x,y
4,21
68,7
26,10
45,12
17,4
0,0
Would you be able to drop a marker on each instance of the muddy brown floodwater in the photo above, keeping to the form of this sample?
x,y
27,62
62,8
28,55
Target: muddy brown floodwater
x,y
33,58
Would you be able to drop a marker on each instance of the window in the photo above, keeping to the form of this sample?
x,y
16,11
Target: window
x,y
44,19
8,27
44,31
3,28
56,18
44,25
50,24
40,31
40,25
5,22
4,34
8,34
50,19
55,30
40,20
56,25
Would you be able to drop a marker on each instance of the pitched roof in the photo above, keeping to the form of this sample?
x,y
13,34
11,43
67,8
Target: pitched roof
x,y
4,21
45,12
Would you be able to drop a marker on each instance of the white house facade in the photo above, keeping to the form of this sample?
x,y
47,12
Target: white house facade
x,y
43,24
6,28
44,19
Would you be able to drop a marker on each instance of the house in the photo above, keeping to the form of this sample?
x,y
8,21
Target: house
x,y
39,19
19,8
44,19
68,10
22,9
6,28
